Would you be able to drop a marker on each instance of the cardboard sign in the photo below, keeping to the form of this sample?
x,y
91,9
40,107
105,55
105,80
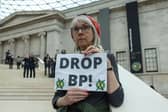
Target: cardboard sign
x,y
85,72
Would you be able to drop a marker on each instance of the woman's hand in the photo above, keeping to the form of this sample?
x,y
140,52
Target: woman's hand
x,y
72,96
90,50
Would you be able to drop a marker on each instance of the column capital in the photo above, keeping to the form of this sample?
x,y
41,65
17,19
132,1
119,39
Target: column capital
x,y
25,37
42,34
11,41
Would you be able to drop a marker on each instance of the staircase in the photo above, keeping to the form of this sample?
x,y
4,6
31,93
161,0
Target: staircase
x,y
18,94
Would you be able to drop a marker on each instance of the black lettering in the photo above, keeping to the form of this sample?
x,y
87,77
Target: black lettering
x,y
90,80
86,63
74,63
97,61
82,79
64,63
72,80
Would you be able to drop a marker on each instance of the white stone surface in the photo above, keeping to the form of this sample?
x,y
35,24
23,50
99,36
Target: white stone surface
x,y
26,106
139,97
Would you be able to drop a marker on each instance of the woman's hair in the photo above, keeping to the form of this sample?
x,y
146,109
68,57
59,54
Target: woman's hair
x,y
95,27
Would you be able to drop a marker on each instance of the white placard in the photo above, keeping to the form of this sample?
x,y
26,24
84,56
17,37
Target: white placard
x,y
85,72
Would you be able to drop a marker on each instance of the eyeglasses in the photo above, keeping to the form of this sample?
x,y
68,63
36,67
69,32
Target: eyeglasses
x,y
84,28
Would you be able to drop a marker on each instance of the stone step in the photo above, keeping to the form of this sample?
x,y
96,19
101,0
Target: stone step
x,y
25,91
26,94
20,94
22,97
13,78
26,106
14,87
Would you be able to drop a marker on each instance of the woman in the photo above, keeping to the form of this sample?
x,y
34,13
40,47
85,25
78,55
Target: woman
x,y
85,33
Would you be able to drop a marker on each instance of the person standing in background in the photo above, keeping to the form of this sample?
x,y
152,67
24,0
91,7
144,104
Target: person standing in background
x,y
26,67
18,62
47,65
32,65
10,61
7,57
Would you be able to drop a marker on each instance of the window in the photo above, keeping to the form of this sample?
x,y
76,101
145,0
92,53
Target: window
x,y
121,58
151,63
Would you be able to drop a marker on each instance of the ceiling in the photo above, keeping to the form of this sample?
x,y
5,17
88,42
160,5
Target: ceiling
x,y
10,6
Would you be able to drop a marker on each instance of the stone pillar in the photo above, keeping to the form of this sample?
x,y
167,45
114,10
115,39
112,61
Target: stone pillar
x,y
26,44
54,41
11,43
42,44
1,54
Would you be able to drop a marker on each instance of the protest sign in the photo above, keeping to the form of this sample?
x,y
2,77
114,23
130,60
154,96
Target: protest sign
x,y
85,72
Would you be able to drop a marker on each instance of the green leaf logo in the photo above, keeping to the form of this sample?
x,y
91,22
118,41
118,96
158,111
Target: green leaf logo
x,y
60,83
100,85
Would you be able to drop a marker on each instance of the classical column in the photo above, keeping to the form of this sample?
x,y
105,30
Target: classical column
x,y
53,42
26,44
1,54
42,44
11,43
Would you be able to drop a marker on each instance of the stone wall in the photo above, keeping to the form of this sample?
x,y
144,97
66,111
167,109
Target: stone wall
x,y
153,33
158,80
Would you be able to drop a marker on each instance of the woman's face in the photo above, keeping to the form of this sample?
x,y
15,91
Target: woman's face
x,y
82,35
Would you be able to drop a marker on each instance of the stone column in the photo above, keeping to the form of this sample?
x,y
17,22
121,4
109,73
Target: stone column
x,y
11,43
26,44
1,54
42,44
53,42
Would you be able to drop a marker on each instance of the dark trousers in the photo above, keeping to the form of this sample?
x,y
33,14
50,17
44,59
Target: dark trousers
x,y
53,70
32,70
26,72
